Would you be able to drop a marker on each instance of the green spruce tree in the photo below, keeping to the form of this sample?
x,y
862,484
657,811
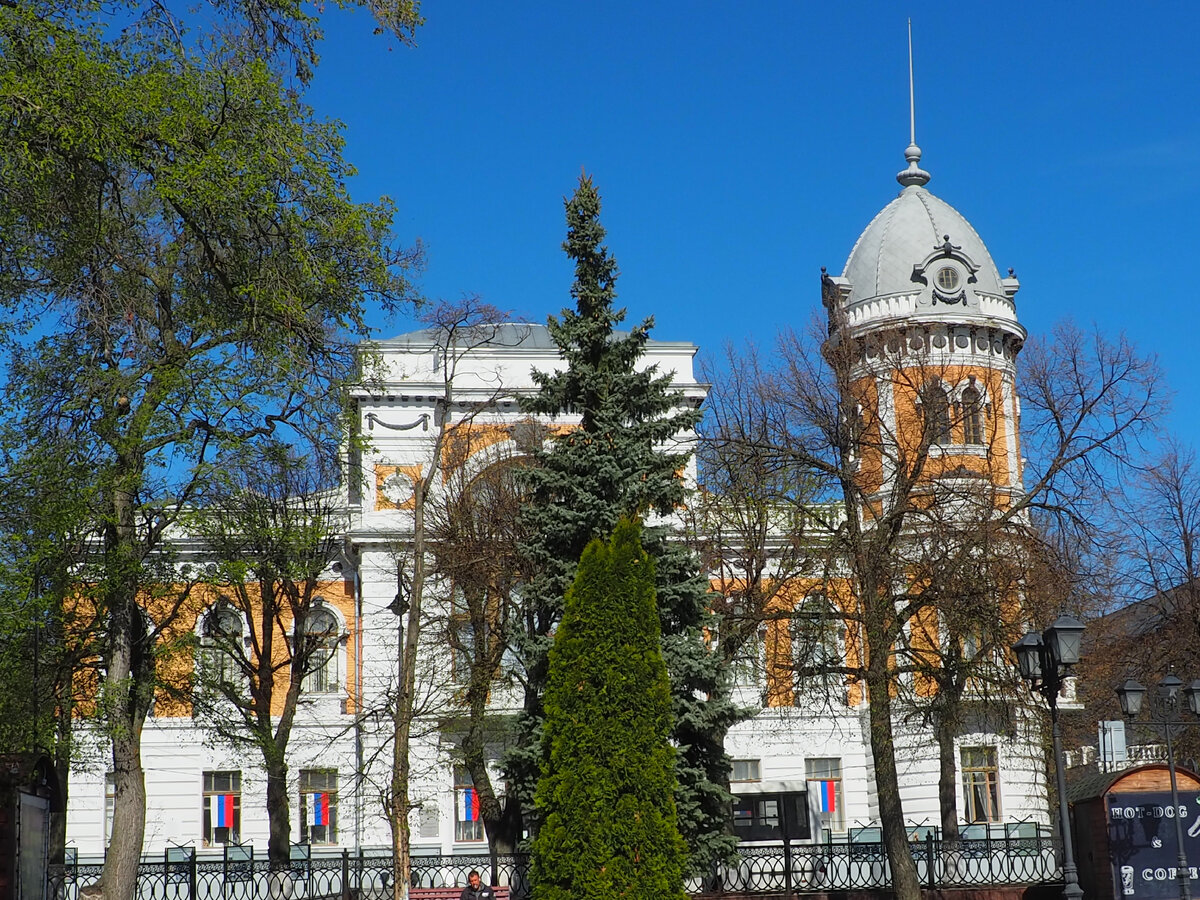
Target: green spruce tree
x,y
620,461
606,791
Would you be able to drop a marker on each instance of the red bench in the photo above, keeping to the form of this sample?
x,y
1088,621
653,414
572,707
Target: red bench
x,y
449,893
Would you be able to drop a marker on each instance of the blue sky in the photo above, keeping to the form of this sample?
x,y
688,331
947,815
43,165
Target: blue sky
x,y
740,147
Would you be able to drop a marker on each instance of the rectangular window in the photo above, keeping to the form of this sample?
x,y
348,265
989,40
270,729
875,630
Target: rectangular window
x,y
468,825
110,802
746,770
981,784
222,813
770,817
757,818
318,806
824,778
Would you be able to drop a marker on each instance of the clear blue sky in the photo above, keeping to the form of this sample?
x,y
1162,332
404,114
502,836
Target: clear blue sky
x,y
739,147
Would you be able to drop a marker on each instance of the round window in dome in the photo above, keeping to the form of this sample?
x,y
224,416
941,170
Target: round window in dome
x,y
947,278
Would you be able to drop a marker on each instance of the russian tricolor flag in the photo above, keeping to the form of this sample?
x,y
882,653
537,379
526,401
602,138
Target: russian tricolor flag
x,y
468,806
224,807
318,809
828,792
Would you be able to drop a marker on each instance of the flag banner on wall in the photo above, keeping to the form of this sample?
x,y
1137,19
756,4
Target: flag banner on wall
x,y
828,792
468,806
222,809
318,809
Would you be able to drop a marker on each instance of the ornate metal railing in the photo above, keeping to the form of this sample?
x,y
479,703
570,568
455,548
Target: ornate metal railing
x,y
987,861
990,858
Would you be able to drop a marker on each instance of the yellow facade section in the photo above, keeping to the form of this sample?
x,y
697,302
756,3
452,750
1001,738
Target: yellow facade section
x,y
182,609
779,615
984,454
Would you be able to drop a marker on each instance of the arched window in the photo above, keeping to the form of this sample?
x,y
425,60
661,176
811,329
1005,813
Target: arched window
x,y
970,411
935,412
323,639
222,644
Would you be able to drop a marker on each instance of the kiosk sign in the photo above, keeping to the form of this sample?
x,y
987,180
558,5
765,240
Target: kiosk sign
x,y
1142,846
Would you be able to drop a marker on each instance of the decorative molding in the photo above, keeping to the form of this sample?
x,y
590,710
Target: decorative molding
x,y
422,420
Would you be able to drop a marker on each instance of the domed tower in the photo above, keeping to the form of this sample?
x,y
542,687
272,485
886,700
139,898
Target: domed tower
x,y
923,333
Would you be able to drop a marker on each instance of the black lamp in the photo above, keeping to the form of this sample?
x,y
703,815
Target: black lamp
x,y
1065,640
1130,695
1192,692
1029,656
1168,688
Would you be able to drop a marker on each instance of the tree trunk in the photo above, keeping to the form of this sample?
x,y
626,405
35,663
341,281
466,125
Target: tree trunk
x,y
279,843
398,814
126,694
948,798
501,819
947,787
407,652
905,882
119,880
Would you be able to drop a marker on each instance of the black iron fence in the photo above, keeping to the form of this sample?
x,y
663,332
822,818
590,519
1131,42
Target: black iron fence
x,y
994,857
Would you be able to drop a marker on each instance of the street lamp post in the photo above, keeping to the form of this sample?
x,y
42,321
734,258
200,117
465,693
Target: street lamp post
x,y
1164,712
1045,661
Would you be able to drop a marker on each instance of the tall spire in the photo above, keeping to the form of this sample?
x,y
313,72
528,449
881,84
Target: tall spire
x,y
914,174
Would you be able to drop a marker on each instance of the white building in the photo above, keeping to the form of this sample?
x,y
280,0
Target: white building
x,y
919,272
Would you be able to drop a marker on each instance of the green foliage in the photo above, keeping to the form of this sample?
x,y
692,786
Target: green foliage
x,y
607,788
182,274
44,639
620,462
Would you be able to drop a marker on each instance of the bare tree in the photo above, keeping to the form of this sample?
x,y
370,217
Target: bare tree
x,y
273,527
1153,620
917,512
456,329
474,538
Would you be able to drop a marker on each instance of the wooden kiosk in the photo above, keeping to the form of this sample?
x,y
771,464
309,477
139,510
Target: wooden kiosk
x,y
1125,837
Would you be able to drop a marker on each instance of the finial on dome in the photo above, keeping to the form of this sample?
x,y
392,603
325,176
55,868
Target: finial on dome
x,y
914,174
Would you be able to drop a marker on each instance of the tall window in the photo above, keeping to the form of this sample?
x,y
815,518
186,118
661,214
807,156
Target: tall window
x,y
463,649
221,640
321,628
935,408
818,636
824,777
318,806
750,661
110,803
222,807
971,412
981,784
468,824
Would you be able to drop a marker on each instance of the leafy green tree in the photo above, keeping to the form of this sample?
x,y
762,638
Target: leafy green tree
x,y
622,460
182,271
606,791
46,641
